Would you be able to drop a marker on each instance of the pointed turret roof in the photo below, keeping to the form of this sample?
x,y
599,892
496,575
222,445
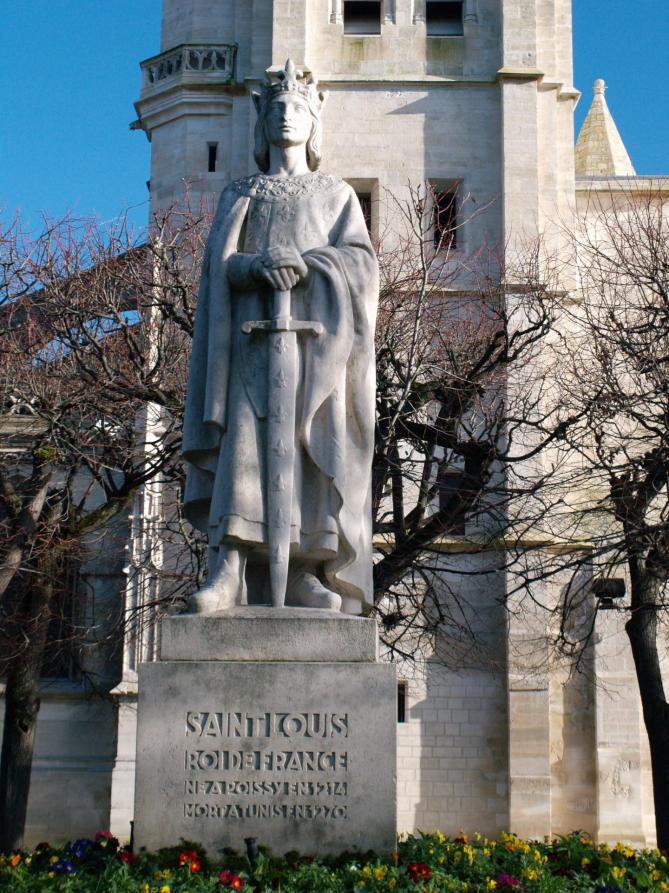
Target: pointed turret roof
x,y
600,151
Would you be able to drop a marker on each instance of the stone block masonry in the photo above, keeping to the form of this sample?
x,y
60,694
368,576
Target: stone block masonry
x,y
299,754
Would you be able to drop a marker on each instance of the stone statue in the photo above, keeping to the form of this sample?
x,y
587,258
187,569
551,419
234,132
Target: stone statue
x,y
279,424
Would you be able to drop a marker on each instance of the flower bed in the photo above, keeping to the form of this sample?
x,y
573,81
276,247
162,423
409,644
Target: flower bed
x,y
424,863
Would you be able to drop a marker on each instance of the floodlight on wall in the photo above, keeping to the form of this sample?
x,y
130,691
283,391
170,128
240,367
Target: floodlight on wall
x,y
607,590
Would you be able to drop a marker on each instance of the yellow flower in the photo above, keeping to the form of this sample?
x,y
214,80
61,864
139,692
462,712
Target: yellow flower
x,y
655,876
51,873
165,889
585,863
618,873
531,874
619,847
439,837
441,860
536,855
145,889
490,884
380,873
366,871
486,851
53,859
664,886
392,883
629,852
477,836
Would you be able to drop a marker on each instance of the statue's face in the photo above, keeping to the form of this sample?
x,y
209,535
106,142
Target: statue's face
x,y
288,121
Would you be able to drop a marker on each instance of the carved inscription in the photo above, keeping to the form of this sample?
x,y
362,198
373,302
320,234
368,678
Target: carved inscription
x,y
266,765
267,760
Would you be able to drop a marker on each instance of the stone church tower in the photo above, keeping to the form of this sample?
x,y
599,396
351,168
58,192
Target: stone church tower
x,y
476,94
477,97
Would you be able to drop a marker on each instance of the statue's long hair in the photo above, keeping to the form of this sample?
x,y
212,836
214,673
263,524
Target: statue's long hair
x,y
261,147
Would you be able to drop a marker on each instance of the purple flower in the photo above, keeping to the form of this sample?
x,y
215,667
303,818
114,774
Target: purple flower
x,y
63,866
506,882
81,848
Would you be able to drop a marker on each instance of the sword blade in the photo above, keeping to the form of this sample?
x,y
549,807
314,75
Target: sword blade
x,y
281,457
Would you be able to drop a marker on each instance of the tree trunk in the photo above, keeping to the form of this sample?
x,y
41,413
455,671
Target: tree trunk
x,y
22,705
20,524
642,632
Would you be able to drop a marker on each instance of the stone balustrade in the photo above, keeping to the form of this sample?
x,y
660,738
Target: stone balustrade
x,y
209,60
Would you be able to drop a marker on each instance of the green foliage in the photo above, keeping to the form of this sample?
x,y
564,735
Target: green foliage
x,y
46,453
423,863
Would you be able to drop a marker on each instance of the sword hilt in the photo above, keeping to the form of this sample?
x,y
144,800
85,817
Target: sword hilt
x,y
282,321
281,304
283,325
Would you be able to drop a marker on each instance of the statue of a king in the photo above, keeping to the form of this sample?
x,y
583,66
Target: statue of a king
x,y
279,424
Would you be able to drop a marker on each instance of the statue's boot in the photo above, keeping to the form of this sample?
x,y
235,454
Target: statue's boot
x,y
223,589
305,590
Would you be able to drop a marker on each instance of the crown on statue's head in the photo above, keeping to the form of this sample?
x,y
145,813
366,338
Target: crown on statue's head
x,y
292,80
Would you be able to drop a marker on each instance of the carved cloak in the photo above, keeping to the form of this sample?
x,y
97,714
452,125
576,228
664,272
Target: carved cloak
x,y
224,426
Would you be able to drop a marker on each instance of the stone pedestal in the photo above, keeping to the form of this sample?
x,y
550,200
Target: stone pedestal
x,y
273,724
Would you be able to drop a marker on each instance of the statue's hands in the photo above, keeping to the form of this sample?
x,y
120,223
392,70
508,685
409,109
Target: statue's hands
x,y
281,268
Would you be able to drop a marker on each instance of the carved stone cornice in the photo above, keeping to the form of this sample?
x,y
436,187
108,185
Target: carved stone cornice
x,y
189,63
185,80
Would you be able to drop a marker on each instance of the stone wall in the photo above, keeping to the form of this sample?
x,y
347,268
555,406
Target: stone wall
x,y
451,766
75,752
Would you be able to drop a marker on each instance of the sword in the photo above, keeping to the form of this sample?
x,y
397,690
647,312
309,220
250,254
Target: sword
x,y
282,331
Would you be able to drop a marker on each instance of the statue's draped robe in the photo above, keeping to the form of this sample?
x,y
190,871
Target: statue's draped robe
x,y
225,440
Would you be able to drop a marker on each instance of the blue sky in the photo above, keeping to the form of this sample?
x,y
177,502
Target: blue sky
x,y
70,75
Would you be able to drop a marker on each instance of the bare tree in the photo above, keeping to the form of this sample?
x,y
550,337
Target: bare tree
x,y
533,419
607,494
453,448
94,337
